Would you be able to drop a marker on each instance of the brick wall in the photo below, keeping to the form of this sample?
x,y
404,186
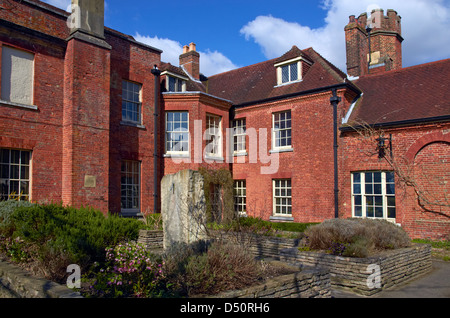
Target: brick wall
x,y
422,155
309,165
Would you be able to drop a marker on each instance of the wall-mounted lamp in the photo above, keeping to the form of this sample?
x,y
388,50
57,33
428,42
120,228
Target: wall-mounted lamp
x,y
382,145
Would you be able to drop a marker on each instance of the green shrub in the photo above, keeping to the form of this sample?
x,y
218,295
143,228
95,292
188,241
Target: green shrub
x,y
7,208
65,235
355,237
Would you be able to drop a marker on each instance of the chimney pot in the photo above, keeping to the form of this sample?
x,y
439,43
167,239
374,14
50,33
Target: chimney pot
x,y
192,47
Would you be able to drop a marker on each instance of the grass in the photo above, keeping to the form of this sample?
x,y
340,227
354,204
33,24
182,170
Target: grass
x,y
440,249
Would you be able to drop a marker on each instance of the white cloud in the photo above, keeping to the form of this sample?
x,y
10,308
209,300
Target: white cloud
x,y
211,62
425,28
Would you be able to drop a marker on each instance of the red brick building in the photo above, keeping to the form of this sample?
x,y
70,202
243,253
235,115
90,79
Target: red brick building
x,y
80,129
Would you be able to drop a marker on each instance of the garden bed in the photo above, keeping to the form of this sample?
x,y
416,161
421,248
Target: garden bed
x,y
360,275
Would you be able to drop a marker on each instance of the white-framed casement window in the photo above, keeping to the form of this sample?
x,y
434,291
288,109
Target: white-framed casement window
x,y
282,197
131,102
175,84
130,186
239,135
373,195
213,135
289,73
14,174
281,131
240,196
177,132
17,76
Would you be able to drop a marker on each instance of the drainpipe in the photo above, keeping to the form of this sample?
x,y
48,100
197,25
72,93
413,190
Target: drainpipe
x,y
334,100
156,73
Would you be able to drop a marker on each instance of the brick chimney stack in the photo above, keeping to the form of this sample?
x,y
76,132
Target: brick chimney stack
x,y
385,43
190,61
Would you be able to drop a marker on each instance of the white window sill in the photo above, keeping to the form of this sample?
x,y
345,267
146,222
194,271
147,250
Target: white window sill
x,y
282,218
132,124
288,83
240,154
176,155
276,150
213,157
19,105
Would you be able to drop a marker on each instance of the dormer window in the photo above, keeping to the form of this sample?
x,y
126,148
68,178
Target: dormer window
x,y
290,71
175,82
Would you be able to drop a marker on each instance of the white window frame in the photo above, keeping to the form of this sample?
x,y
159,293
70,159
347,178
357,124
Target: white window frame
x,y
381,200
170,128
17,171
180,82
179,85
131,188
284,195
213,136
131,97
239,136
240,196
276,132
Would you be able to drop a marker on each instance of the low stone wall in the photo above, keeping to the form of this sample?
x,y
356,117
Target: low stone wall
x,y
360,275
17,283
259,245
307,283
152,240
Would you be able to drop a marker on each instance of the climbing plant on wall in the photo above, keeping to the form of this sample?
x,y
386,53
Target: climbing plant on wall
x,y
222,181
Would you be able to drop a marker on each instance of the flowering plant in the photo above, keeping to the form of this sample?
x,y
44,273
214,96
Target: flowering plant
x,y
130,272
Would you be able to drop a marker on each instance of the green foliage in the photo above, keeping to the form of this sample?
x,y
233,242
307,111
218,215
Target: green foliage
x,y
60,236
7,208
262,227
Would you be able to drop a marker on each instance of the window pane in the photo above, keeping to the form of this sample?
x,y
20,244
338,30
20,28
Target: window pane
x,y
285,74
358,211
294,72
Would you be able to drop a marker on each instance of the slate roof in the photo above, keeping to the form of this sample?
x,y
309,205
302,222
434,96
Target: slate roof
x,y
258,82
410,94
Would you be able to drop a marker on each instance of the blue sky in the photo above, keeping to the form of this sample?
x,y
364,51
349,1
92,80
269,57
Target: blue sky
x,y
233,33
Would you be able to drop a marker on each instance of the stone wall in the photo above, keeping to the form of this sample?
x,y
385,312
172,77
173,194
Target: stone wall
x,y
307,283
152,240
358,275
17,283
259,245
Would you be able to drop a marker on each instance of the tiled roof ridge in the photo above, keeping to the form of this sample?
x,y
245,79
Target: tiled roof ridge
x,y
240,69
335,72
405,69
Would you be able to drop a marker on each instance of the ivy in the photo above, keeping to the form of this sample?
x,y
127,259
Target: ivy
x,y
223,178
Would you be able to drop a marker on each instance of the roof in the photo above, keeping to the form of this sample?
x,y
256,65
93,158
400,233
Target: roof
x,y
258,82
410,94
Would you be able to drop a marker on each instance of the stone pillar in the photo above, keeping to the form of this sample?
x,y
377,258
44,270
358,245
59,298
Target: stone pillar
x,y
183,207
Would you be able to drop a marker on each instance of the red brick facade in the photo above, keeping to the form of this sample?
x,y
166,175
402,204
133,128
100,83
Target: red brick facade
x,y
88,148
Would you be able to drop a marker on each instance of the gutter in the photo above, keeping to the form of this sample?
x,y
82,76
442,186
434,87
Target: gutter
x,y
400,123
